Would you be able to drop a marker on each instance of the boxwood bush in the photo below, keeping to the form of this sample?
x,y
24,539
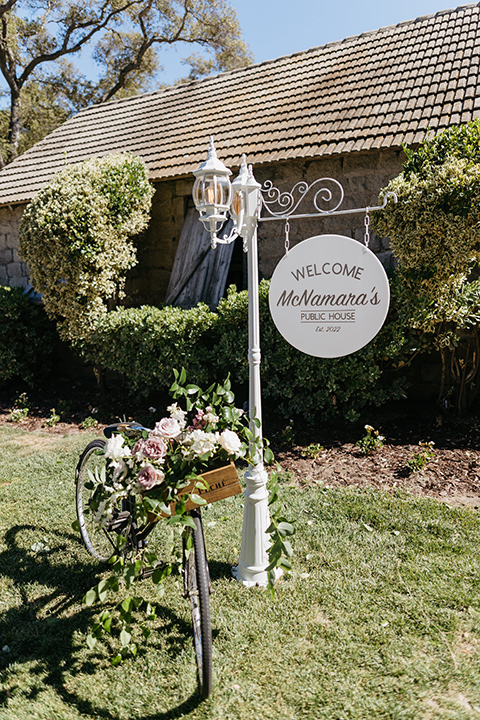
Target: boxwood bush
x,y
144,344
27,337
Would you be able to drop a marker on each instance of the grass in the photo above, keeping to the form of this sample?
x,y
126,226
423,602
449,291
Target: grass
x,y
379,620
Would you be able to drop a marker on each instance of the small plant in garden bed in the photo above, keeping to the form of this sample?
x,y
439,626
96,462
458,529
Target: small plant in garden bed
x,y
286,436
371,441
420,460
21,408
53,420
88,423
313,451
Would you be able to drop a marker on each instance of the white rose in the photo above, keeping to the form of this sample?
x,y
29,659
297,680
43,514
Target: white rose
x,y
115,448
230,442
167,428
200,442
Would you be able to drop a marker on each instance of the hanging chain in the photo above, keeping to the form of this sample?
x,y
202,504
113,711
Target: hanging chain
x,y
367,228
287,236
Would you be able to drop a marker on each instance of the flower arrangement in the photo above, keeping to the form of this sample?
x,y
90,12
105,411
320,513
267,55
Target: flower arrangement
x,y
157,472
152,468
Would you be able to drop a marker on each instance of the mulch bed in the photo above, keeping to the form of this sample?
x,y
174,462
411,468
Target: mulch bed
x,y
452,475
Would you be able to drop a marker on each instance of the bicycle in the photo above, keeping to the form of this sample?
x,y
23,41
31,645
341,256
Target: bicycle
x,y
122,536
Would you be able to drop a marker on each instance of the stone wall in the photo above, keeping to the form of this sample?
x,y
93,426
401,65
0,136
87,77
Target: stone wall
x,y
148,281
361,175
13,271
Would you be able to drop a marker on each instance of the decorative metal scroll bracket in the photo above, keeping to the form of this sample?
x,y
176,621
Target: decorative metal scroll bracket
x,y
287,202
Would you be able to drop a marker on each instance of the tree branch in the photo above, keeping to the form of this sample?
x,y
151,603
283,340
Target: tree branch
x,y
96,25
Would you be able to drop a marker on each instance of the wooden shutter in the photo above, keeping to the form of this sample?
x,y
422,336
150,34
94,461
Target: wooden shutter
x,y
199,273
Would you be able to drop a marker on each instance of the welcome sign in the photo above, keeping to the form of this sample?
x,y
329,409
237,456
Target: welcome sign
x,y
329,296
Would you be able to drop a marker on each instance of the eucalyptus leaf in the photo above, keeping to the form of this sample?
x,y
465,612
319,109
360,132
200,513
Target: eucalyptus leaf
x,y
90,597
125,637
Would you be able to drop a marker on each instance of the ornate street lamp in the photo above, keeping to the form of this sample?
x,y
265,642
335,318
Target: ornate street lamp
x,y
215,196
212,194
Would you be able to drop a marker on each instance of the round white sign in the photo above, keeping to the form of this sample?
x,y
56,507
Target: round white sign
x,y
329,296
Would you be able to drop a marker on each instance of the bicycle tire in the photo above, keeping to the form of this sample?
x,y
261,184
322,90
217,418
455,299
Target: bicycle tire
x,y
101,542
198,591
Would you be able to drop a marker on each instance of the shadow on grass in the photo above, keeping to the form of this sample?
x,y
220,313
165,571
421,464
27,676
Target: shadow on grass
x,y
220,570
46,616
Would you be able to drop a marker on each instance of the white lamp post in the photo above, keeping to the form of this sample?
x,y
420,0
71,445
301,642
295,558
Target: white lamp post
x,y
212,194
214,197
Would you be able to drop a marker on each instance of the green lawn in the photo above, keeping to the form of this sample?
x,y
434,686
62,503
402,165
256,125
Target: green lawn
x,y
380,618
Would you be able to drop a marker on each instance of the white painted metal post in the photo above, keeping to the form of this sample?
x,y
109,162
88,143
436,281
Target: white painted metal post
x,y
211,180
253,560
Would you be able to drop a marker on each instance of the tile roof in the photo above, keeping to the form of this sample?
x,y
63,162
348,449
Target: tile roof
x,y
375,90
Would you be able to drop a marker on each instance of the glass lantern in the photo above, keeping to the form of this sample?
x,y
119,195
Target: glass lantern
x,y
212,192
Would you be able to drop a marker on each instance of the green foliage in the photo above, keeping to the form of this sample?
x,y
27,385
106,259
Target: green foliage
x,y
420,460
371,441
26,337
461,141
434,227
88,423
143,344
280,529
76,237
435,234
44,106
313,451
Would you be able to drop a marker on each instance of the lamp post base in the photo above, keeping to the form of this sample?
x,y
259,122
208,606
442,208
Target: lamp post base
x,y
253,561
253,577
250,576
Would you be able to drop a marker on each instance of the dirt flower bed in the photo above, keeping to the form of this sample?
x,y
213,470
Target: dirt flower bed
x,y
328,455
331,457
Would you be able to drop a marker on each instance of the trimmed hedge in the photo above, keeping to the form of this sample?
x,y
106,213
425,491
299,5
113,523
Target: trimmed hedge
x,y
27,337
144,344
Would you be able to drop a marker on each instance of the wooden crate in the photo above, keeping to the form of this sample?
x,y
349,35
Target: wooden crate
x,y
223,483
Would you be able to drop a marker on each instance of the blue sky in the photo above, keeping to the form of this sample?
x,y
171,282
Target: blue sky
x,y
280,27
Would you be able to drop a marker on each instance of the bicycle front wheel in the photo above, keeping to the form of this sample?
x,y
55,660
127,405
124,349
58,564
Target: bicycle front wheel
x,y
197,582
101,542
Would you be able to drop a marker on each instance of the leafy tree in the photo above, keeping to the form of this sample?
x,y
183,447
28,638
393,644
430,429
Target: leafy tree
x,y
435,234
76,236
38,38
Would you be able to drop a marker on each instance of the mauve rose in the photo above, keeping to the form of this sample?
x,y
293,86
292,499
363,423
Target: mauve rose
x,y
167,428
148,477
138,448
154,448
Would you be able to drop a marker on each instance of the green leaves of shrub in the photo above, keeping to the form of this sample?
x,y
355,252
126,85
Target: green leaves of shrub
x,y
27,337
76,237
144,344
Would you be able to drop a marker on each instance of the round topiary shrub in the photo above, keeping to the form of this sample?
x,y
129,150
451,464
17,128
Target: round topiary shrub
x,y
76,236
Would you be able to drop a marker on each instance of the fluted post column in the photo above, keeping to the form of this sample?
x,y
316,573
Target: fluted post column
x,y
253,560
